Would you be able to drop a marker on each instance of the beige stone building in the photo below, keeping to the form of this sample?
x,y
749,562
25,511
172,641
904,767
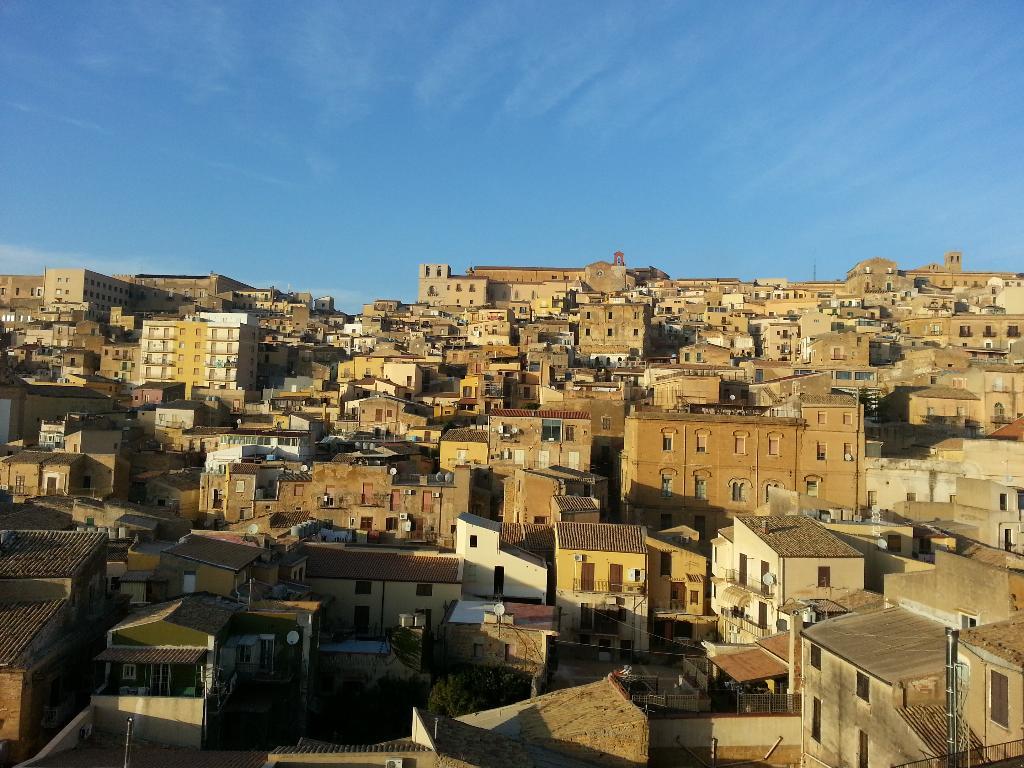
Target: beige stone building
x,y
700,466
762,563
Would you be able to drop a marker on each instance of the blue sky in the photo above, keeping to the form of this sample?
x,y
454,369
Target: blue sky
x,y
333,146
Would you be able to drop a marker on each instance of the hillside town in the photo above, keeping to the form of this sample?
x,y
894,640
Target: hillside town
x,y
573,516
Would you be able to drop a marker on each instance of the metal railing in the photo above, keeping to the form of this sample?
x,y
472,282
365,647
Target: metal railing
x,y
990,755
767,703
594,585
744,624
678,702
748,581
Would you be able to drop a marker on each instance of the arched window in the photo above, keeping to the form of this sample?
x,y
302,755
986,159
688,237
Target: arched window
x,y
768,487
438,272
739,490
432,291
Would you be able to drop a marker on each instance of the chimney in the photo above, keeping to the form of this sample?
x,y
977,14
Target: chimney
x,y
796,630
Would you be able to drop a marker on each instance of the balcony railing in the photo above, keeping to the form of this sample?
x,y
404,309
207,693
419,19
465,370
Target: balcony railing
x,y
253,671
683,606
990,755
677,702
744,624
748,581
628,587
767,703
1001,418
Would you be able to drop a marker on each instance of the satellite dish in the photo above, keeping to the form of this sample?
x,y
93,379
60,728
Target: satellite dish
x,y
882,543
450,477
439,477
253,529
393,471
499,609
768,579
305,468
238,422
292,637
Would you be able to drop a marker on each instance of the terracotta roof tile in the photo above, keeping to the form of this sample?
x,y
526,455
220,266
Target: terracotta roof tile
x,y
797,536
464,435
601,537
152,654
47,554
1004,639
576,503
529,536
328,561
20,623
150,757
527,413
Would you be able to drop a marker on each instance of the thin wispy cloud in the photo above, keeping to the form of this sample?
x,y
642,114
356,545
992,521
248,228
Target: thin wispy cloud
x,y
29,260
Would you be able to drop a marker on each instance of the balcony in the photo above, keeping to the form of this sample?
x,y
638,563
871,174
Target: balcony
x,y
1002,418
743,624
1008,753
629,587
748,581
254,671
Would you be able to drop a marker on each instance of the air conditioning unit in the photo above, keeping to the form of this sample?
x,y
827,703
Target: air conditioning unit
x,y
436,494
408,526
579,558
403,515
3,486
409,492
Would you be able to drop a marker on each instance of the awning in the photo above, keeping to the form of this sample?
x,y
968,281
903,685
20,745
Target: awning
x,y
161,654
748,666
735,596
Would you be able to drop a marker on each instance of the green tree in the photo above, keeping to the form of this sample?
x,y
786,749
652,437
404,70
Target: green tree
x,y
472,688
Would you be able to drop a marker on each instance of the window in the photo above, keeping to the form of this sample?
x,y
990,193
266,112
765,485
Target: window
x,y
666,486
665,561
822,417
967,621
472,541
816,656
824,576
128,672
739,445
702,443
1002,502
911,496
812,488
774,445
862,750
666,442
364,587
694,597
424,590
700,488
894,542
239,486
738,490
998,699
816,719
478,650
821,452
863,687
606,422
551,430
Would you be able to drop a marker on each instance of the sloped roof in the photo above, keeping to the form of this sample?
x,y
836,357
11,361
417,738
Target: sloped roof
x,y
527,413
464,435
216,552
576,503
601,537
20,623
747,666
47,554
328,561
152,654
529,536
891,644
1004,639
149,757
797,536
929,722
945,393
315,747
201,612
